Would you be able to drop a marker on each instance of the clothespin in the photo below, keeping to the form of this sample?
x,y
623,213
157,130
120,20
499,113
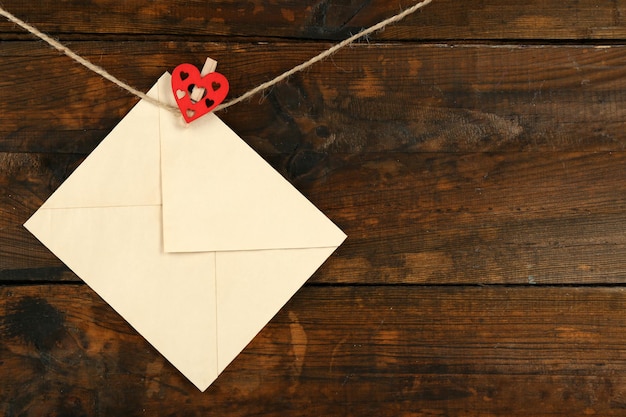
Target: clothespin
x,y
198,92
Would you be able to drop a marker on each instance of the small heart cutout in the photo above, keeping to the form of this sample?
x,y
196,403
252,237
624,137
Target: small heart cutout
x,y
196,95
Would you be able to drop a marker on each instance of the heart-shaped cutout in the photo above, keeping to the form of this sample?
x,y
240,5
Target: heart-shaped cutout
x,y
197,94
200,94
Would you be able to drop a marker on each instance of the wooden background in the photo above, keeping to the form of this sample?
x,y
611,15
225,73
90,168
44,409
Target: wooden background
x,y
474,153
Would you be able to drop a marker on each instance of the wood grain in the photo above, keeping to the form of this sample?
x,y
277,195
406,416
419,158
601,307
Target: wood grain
x,y
474,154
436,218
425,351
328,19
365,99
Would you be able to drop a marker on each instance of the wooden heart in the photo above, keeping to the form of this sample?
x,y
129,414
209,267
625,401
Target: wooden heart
x,y
211,90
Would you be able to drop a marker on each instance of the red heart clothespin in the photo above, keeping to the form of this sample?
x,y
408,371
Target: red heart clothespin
x,y
197,94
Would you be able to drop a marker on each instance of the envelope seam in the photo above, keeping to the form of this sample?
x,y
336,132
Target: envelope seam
x,y
100,207
217,356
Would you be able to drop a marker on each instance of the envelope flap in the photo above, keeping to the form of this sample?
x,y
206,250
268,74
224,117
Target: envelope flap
x,y
219,194
124,170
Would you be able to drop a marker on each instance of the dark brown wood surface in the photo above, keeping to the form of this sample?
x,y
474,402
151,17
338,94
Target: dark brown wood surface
x,y
475,154
397,350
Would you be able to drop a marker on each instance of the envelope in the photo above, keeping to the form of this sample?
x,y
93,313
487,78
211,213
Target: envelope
x,y
187,233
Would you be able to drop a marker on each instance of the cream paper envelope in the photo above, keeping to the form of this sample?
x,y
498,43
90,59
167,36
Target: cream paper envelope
x,y
238,239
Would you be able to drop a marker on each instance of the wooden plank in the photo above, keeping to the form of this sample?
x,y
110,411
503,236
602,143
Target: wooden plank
x,y
362,350
372,98
438,218
333,19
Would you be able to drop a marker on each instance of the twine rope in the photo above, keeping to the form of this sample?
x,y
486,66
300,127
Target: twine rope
x,y
264,86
